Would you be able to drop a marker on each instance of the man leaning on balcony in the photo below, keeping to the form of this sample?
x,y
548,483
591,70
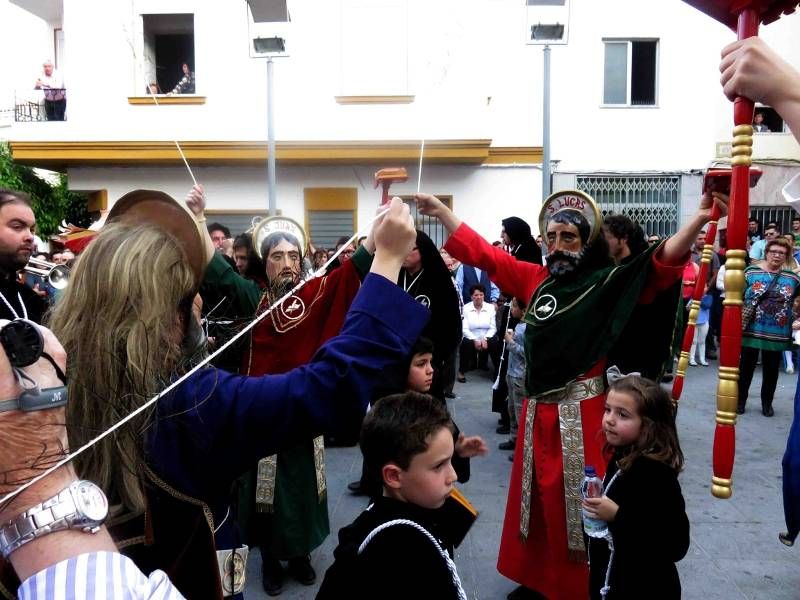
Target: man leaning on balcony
x,y
55,93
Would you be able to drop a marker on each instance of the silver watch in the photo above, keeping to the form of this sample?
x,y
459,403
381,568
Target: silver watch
x,y
82,506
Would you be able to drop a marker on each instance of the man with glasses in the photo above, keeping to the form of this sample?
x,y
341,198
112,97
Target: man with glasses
x,y
757,249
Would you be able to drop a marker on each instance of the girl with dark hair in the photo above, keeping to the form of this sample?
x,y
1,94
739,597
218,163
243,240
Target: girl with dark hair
x,y
642,501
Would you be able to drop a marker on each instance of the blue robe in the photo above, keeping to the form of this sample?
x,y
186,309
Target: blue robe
x,y
217,424
791,473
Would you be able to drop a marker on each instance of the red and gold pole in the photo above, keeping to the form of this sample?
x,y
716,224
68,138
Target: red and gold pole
x,y
735,262
697,295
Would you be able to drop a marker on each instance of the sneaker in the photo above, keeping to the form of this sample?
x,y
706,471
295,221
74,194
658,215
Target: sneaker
x,y
272,576
693,363
300,568
704,363
790,370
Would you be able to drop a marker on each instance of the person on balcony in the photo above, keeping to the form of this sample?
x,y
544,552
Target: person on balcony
x,y
55,95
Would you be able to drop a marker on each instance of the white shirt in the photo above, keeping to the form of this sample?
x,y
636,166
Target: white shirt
x,y
478,324
52,86
95,576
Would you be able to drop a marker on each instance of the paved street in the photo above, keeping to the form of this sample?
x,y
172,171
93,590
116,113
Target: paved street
x,y
735,553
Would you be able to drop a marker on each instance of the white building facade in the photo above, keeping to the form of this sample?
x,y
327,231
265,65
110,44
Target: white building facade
x,y
637,110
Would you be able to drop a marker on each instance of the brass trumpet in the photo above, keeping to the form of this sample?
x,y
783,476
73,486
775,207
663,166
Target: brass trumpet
x,y
56,275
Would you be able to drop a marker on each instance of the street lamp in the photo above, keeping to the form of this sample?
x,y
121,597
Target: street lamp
x,y
267,24
548,22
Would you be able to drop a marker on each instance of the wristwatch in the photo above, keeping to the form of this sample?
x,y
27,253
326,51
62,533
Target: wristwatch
x,y
82,506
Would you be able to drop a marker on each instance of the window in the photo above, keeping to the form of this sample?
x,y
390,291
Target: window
x,y
630,72
770,118
429,225
782,215
237,221
330,214
168,44
652,201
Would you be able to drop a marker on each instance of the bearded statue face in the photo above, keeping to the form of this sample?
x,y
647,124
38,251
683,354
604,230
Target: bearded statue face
x,y
565,248
283,265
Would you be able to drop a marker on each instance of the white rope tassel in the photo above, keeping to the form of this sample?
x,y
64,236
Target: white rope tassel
x,y
180,380
451,566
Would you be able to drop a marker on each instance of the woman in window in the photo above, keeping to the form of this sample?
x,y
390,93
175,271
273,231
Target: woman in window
x,y
186,84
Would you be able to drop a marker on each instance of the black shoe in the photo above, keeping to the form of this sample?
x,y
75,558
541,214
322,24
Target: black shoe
x,y
449,395
510,458
503,430
508,445
666,378
711,356
461,379
767,411
356,488
300,568
523,593
785,539
740,410
272,576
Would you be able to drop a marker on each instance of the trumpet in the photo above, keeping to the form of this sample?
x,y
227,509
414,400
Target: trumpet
x,y
56,275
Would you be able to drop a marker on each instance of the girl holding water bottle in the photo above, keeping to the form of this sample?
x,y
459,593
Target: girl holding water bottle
x,y
642,501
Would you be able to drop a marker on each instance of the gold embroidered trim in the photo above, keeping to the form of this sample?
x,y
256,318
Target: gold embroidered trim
x,y
569,418
527,470
265,483
571,428
319,467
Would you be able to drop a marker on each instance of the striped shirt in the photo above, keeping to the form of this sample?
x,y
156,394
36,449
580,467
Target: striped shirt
x,y
97,575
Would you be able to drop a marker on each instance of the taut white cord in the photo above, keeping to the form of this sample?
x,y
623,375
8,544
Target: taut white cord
x,y
180,380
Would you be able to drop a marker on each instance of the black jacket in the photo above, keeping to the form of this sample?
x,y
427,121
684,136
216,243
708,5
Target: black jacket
x,y
12,290
650,532
400,562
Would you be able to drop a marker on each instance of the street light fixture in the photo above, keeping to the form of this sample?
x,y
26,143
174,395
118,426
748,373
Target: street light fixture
x,y
267,25
548,22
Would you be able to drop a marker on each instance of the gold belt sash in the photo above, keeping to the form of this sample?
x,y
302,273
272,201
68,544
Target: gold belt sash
x,y
571,427
268,470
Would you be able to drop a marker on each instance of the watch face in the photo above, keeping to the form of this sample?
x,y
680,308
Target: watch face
x,y
91,501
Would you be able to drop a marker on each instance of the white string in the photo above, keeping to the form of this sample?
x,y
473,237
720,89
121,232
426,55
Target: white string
x,y
11,308
419,174
176,383
177,145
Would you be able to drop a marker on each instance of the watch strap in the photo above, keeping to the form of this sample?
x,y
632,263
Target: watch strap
x,y
46,517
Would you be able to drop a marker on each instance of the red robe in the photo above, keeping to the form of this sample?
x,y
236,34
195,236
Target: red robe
x,y
288,337
542,562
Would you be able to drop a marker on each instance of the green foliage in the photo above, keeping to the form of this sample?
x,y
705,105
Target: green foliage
x,y
51,203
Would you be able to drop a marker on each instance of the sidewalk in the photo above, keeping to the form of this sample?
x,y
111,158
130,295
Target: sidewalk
x,y
734,555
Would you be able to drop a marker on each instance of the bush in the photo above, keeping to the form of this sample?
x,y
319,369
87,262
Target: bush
x,y
51,203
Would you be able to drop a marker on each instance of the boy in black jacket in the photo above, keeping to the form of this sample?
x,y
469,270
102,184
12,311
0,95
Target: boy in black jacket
x,y
401,545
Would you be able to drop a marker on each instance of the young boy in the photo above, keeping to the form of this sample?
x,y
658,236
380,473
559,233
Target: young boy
x,y
400,546
419,379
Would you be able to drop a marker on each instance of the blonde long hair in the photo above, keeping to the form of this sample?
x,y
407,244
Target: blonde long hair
x,y
120,324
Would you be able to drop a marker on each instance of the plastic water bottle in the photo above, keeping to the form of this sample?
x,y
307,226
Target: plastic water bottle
x,y
592,487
